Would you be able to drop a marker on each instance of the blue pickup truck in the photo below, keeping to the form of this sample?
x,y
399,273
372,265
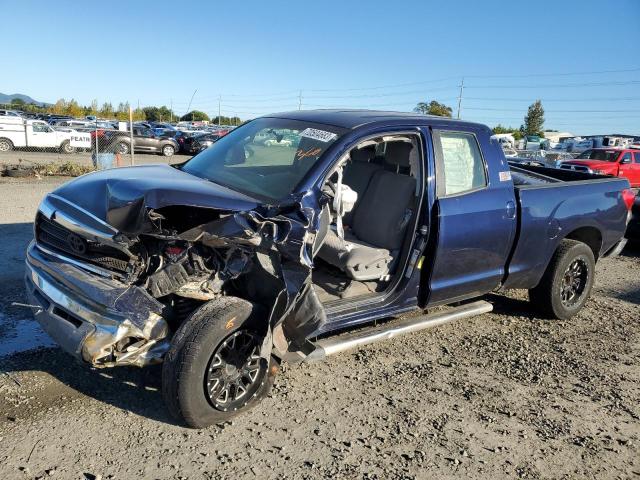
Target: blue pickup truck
x,y
295,235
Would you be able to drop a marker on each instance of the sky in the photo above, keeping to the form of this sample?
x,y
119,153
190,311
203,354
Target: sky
x,y
581,58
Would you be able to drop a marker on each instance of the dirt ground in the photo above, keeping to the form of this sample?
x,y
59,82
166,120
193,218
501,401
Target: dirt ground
x,y
503,395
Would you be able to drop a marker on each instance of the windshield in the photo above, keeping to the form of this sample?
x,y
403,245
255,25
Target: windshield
x,y
266,157
604,155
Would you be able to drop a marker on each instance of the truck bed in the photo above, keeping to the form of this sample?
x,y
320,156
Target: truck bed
x,y
553,204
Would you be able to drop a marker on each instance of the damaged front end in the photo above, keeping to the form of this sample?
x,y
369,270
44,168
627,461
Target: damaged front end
x,y
112,282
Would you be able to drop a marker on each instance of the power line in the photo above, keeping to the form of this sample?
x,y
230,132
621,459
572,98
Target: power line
x,y
560,85
546,100
628,70
380,87
555,111
377,95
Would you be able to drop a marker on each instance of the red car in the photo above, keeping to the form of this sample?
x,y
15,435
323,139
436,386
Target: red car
x,y
620,162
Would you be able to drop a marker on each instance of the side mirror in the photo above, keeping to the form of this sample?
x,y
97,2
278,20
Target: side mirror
x,y
625,161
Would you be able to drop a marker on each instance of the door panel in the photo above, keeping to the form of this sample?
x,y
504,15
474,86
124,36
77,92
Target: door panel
x,y
629,170
42,136
476,224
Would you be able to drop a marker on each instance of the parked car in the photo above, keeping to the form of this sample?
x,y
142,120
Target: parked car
x,y
144,140
246,256
196,143
16,132
619,162
9,113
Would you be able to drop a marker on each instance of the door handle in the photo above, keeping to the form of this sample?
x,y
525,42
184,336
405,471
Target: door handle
x,y
511,209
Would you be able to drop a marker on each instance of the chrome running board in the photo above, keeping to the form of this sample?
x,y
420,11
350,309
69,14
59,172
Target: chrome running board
x,y
395,328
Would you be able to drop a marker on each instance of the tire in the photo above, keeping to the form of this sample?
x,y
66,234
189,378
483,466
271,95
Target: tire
x,y
189,368
19,172
553,295
122,148
6,145
65,147
168,150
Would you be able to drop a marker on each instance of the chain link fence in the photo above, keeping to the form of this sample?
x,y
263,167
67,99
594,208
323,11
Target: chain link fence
x,y
38,141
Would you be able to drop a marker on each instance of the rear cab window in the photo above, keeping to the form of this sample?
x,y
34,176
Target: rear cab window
x,y
460,168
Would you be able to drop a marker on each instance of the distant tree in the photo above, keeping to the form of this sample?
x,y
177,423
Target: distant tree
x,y
93,108
17,102
517,135
139,115
151,113
165,114
73,109
106,111
59,107
195,116
226,120
122,112
434,108
158,114
534,120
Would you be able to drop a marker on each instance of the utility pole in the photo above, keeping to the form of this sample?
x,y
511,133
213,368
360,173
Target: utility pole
x,y
171,110
131,146
300,100
189,107
219,110
460,97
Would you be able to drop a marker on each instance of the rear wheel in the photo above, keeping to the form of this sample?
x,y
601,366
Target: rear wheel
x,y
214,368
66,147
566,284
122,148
5,145
168,150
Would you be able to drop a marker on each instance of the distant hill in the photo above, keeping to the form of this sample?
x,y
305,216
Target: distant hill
x,y
4,98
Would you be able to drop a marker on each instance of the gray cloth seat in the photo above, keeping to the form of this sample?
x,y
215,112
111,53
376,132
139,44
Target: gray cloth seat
x,y
358,174
373,242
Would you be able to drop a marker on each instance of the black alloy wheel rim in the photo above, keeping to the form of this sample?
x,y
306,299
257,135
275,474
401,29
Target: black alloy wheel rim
x,y
574,282
234,371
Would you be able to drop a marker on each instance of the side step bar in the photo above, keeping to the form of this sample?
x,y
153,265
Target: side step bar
x,y
340,343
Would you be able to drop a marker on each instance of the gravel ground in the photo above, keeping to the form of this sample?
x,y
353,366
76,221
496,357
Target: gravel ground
x,y
28,158
502,395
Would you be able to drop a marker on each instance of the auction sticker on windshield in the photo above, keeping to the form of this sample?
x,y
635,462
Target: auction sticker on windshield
x,y
316,134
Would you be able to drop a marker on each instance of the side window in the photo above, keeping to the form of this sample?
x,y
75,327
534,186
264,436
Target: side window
x,y
626,158
636,157
38,127
460,164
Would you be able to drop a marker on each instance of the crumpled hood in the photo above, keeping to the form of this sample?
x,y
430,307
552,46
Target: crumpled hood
x,y
121,196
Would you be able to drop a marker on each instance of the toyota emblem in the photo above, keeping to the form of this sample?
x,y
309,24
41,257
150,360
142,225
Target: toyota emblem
x,y
76,244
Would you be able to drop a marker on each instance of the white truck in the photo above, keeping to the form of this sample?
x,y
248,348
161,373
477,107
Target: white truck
x,y
17,132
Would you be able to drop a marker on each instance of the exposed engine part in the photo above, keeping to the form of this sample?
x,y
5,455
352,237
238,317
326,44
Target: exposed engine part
x,y
167,280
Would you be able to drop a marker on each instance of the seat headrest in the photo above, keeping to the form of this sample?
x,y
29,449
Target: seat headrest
x,y
398,154
364,154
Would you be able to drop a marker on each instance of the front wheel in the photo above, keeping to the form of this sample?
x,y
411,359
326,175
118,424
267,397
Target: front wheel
x,y
168,150
566,284
214,368
122,148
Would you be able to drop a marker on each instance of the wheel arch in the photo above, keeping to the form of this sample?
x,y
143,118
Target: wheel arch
x,y
588,235
8,140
